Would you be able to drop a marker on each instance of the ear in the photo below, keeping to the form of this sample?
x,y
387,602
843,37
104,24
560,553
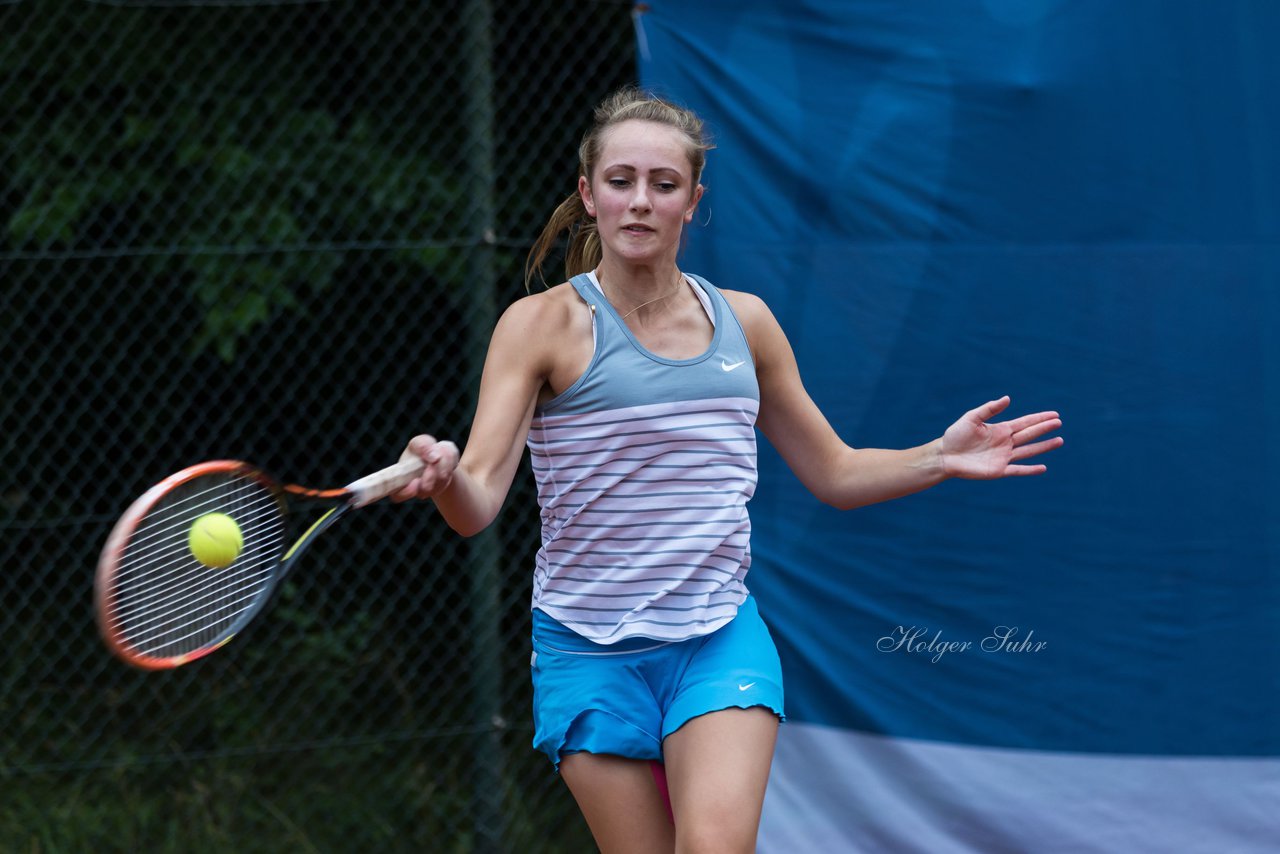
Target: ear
x,y
584,191
693,202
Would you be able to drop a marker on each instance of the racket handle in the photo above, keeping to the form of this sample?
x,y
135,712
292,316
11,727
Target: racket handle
x,y
380,484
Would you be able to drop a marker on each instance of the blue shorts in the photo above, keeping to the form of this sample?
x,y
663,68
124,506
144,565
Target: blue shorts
x,y
625,698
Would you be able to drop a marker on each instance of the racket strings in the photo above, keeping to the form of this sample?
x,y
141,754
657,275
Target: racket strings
x,y
166,603
162,561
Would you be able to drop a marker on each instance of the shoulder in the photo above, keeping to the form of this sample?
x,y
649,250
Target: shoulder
x,y
751,310
543,312
743,302
541,330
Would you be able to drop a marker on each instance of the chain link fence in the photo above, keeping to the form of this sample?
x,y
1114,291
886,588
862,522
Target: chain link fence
x,y
278,232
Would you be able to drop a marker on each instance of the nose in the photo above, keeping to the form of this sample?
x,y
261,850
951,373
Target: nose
x,y
640,198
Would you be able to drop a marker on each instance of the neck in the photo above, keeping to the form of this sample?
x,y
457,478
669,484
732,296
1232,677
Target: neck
x,y
635,282
630,293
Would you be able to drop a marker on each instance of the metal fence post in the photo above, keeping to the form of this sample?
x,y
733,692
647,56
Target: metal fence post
x,y
485,549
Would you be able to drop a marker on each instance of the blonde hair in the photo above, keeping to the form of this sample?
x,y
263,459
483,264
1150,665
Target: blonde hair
x,y
628,103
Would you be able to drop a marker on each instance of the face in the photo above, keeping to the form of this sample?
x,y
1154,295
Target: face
x,y
642,193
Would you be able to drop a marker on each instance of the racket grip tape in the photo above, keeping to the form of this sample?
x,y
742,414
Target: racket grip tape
x,y
380,484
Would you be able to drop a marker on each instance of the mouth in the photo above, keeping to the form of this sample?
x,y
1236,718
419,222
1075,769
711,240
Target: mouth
x,y
636,228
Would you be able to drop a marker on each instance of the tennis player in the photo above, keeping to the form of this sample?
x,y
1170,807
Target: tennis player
x,y
637,388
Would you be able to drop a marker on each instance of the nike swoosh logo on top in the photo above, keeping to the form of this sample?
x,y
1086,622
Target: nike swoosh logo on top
x,y
725,366
749,684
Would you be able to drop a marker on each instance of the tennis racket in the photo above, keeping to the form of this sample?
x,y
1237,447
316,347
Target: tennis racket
x,y
160,606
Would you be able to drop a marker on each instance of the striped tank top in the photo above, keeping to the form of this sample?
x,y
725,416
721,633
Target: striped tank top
x,y
644,467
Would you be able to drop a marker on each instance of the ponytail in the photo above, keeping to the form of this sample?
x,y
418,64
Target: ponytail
x,y
583,253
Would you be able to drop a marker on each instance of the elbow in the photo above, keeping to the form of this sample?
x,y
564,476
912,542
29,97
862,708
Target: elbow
x,y
833,497
464,530
833,480
840,502
467,527
468,524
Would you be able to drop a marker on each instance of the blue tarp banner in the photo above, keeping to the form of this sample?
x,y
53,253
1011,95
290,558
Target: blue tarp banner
x,y
1076,204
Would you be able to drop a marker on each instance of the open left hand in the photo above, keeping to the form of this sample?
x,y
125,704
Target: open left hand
x,y
975,449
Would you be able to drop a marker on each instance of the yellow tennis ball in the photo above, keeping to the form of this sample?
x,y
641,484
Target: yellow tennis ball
x,y
215,540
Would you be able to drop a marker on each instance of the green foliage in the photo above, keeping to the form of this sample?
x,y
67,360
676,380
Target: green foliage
x,y
292,183
231,163
290,802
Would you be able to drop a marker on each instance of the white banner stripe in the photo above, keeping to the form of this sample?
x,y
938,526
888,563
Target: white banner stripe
x,y
652,411
839,790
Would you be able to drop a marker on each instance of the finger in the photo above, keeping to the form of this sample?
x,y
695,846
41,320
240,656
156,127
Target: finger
x,y
1025,421
1035,431
442,461
443,452
1025,451
989,410
408,492
435,476
421,445
441,465
1023,471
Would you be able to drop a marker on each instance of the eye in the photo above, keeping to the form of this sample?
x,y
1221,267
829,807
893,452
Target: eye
x,y
618,182
667,187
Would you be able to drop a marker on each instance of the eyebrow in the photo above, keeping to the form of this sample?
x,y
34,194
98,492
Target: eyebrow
x,y
629,168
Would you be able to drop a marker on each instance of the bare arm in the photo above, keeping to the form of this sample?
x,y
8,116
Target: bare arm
x,y
847,477
470,491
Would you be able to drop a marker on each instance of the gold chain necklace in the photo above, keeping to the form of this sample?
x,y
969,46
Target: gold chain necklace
x,y
650,302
